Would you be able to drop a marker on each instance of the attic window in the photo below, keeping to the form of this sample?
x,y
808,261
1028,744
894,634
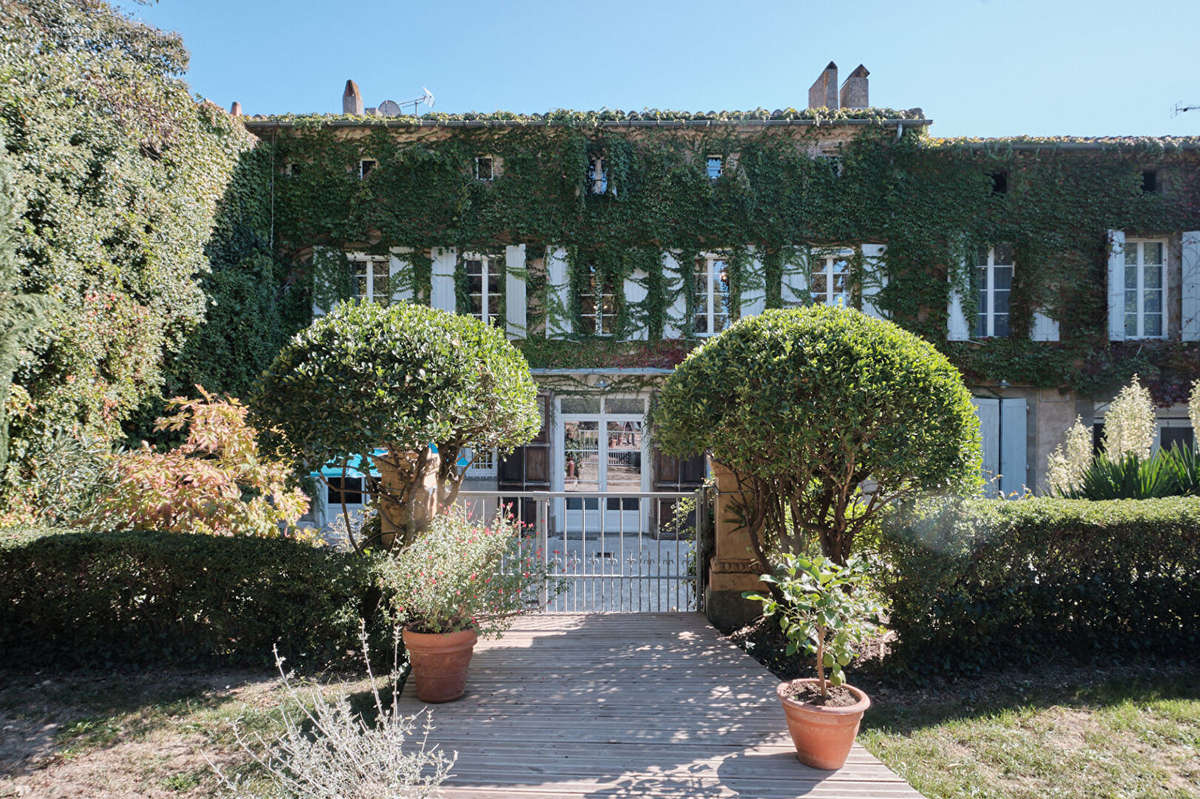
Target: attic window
x,y
714,165
365,167
292,169
483,167
1150,181
999,182
597,179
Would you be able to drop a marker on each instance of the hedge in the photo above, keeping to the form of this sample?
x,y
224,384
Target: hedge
x,y
985,583
146,597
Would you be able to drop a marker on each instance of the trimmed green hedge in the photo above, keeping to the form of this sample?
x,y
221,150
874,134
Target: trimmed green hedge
x,y
142,597
983,583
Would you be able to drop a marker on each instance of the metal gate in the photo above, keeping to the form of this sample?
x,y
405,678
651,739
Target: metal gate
x,y
638,552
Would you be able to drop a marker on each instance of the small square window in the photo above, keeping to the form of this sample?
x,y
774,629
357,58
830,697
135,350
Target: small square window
x,y
292,169
1150,182
345,489
999,182
714,165
365,167
483,167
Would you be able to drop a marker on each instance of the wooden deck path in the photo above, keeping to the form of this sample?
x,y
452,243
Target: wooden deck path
x,y
608,705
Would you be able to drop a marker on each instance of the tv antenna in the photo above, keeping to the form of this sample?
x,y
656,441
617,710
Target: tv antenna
x,y
426,98
1181,108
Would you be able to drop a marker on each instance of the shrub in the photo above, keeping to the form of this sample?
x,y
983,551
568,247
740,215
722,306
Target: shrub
x,y
141,597
382,383
1166,473
214,482
984,582
460,574
805,405
1129,423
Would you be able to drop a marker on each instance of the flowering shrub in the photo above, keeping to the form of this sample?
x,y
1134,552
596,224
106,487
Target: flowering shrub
x,y
1070,460
215,482
1129,424
460,575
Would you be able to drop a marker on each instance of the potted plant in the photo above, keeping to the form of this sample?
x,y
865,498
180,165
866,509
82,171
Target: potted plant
x,y
458,580
829,611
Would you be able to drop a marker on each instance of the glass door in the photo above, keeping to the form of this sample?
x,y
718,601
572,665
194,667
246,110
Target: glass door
x,y
582,471
602,452
622,472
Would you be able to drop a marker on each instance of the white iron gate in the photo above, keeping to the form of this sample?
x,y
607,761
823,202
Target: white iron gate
x,y
636,552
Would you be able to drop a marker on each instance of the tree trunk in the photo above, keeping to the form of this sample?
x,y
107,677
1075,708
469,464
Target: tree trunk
x,y
408,495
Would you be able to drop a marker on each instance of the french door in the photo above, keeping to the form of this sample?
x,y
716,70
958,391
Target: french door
x,y
602,453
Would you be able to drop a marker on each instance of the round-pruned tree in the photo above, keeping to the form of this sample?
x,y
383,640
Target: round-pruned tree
x,y
405,388
824,416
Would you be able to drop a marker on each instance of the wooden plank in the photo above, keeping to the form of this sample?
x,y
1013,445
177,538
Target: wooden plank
x,y
601,705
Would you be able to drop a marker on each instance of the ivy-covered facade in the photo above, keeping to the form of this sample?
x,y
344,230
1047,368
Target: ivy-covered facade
x,y
609,244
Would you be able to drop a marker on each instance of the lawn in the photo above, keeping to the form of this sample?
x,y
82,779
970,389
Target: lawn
x,y
1061,732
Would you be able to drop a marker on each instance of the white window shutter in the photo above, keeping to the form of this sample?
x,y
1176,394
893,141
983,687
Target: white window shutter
x,y
874,278
514,291
1044,328
400,275
988,411
956,320
1013,445
558,295
794,290
673,276
1116,285
754,293
1190,262
442,294
634,290
318,254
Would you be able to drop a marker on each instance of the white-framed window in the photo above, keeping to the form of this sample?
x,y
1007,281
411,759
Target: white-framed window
x,y
712,295
372,278
714,166
597,305
484,167
485,288
480,464
1145,287
993,274
596,176
830,280
365,166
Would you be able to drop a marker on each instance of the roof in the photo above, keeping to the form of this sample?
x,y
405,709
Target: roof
x,y
1035,143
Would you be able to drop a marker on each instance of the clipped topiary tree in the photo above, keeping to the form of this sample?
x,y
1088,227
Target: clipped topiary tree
x,y
825,416
383,384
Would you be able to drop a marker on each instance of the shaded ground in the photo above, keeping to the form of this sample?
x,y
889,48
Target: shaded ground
x,y
1116,729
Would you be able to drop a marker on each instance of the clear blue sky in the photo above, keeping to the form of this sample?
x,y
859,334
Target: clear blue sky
x,y
977,67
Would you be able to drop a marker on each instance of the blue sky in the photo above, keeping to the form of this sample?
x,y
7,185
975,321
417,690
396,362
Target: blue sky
x,y
977,67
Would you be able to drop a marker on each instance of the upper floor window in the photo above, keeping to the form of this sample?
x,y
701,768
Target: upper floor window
x,y
484,167
292,169
478,463
366,166
598,305
348,490
485,288
999,182
1149,182
372,280
1145,273
714,165
712,295
994,273
597,179
829,281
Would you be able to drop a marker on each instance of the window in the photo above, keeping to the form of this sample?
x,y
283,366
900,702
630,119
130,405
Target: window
x,y
999,182
712,295
829,281
994,272
365,167
478,464
1145,268
714,165
485,288
597,179
345,489
598,305
483,167
372,281
292,169
1149,182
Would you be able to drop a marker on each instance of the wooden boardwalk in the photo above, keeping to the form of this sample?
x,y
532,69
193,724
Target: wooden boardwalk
x,y
608,705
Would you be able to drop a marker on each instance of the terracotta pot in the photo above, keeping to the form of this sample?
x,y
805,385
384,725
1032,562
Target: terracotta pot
x,y
439,663
822,735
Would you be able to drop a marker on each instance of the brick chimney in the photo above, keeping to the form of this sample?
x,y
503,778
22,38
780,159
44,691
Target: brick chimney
x,y
824,93
352,99
235,109
854,90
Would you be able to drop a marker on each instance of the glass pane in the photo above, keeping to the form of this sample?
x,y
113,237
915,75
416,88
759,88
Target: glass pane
x,y
625,435
625,405
1000,302
1131,277
980,325
494,309
1153,324
1152,252
1152,301
1000,325
1152,277
1002,278
1131,249
475,305
581,405
381,288
1004,254
473,266
581,456
701,322
713,166
474,283
1131,297
1131,324
981,256
360,282
720,322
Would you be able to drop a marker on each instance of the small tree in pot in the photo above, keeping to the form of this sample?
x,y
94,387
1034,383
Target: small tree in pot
x,y
829,611
403,388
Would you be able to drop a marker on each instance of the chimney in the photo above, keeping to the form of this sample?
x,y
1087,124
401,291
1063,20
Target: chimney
x,y
854,90
352,99
235,109
824,93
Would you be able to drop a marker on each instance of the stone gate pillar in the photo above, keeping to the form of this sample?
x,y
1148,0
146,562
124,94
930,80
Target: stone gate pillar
x,y
733,567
